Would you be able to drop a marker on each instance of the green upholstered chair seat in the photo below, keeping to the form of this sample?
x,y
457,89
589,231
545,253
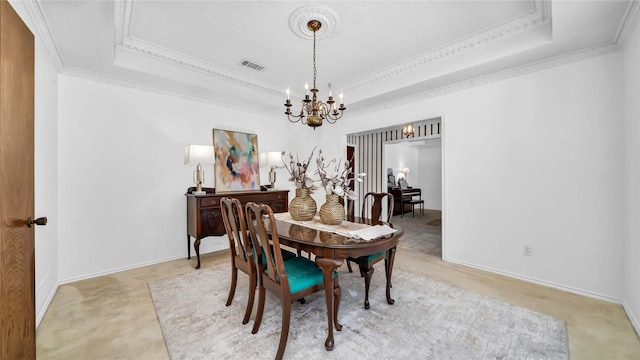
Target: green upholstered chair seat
x,y
286,255
302,273
372,256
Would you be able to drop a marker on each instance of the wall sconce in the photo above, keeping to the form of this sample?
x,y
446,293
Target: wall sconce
x,y
273,160
198,155
407,130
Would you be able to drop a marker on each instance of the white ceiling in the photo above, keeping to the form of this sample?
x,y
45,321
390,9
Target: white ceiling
x,y
379,53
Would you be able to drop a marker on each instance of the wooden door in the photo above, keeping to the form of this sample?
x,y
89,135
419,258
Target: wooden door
x,y
17,270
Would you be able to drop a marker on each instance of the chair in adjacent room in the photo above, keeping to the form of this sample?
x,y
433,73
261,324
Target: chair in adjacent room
x,y
289,280
372,208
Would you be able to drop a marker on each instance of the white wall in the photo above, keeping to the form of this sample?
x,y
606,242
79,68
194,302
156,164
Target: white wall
x,y
121,174
430,171
632,178
399,155
536,160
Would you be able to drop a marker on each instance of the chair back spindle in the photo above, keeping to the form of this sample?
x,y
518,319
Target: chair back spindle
x,y
267,247
233,219
372,207
240,248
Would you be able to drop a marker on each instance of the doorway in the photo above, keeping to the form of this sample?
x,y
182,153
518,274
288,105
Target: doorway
x,y
419,165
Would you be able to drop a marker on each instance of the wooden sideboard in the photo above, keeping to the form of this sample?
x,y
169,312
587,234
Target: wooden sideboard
x,y
205,219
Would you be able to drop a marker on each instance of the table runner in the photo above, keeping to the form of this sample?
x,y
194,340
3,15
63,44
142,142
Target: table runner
x,y
346,228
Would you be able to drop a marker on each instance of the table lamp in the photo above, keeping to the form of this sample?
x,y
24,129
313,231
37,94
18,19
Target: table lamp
x,y
273,160
405,171
198,155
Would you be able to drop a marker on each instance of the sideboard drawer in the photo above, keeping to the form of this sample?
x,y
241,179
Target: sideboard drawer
x,y
208,201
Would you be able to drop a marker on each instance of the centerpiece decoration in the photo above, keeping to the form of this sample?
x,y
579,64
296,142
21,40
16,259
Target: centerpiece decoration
x,y
336,184
303,207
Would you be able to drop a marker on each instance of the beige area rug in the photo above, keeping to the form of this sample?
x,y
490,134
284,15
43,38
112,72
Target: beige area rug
x,y
429,320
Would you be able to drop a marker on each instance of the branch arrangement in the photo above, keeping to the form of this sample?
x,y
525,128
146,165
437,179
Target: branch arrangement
x,y
335,180
298,172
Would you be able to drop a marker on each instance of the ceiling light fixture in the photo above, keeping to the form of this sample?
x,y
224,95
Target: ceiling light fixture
x,y
313,111
407,130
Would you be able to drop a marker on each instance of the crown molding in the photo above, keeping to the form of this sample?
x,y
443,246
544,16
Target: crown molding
x,y
365,107
628,24
122,82
124,40
540,15
44,34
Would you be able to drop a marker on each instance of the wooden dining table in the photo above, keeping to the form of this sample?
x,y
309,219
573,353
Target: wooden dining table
x,y
330,250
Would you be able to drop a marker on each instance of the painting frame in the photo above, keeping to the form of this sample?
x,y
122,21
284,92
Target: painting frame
x,y
236,164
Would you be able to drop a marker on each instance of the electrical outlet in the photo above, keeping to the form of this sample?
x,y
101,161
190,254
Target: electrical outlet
x,y
527,250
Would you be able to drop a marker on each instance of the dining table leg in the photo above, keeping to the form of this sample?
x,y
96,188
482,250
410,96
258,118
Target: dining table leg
x,y
328,266
388,267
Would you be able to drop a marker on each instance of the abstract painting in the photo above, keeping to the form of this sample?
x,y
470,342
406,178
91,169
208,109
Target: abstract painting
x,y
236,164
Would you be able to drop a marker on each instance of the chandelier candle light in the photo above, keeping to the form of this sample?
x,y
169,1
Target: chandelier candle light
x,y
314,111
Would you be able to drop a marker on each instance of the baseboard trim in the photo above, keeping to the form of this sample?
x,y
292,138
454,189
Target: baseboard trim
x,y
49,298
115,270
40,315
569,289
634,321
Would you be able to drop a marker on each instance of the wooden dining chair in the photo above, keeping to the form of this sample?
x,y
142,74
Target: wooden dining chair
x,y
372,208
240,246
289,280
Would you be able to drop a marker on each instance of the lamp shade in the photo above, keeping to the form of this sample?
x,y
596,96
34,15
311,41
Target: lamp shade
x,y
271,159
198,154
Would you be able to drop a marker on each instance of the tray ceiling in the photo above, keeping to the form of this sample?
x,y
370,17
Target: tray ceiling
x,y
379,53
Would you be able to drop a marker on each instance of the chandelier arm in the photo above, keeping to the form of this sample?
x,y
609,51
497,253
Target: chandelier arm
x,y
332,118
296,118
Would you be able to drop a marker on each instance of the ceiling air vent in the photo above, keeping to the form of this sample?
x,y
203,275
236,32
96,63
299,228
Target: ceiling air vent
x,y
251,65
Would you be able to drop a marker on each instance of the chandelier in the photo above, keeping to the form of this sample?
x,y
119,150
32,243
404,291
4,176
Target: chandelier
x,y
407,130
312,110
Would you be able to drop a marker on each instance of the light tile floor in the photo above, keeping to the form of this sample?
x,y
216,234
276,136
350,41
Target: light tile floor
x,y
420,235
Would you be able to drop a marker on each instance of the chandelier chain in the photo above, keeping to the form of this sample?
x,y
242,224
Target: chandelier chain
x,y
314,60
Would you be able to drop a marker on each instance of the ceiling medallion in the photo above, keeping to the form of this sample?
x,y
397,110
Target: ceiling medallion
x,y
312,110
299,20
